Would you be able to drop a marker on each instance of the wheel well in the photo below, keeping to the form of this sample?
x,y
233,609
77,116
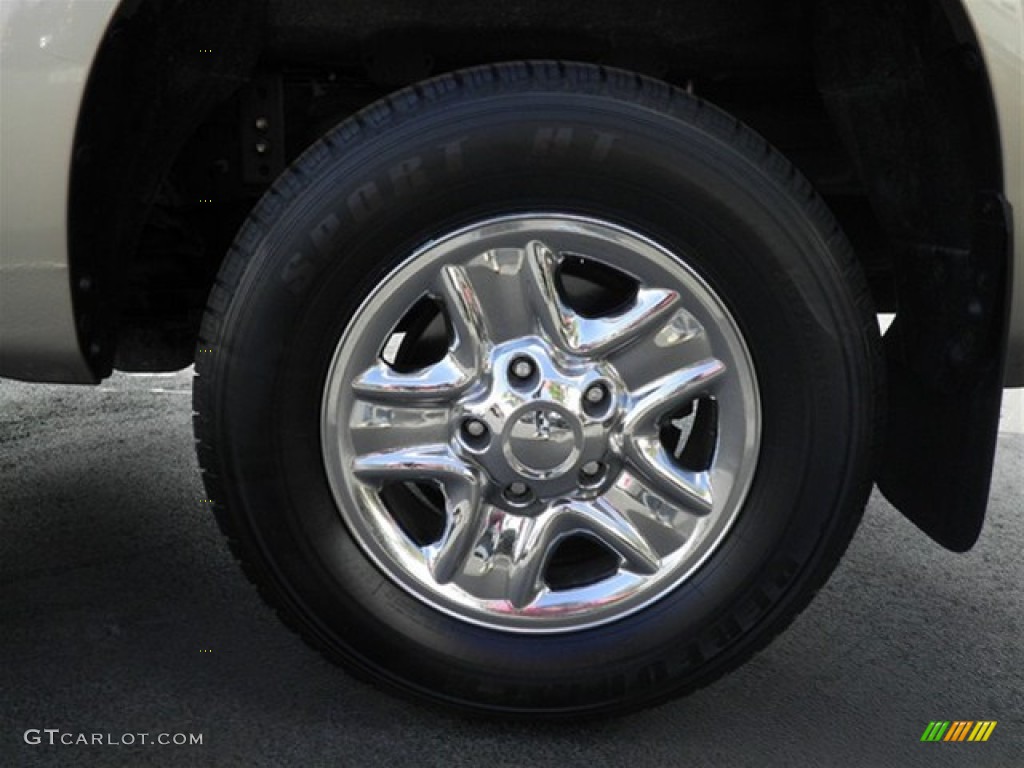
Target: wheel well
x,y
193,107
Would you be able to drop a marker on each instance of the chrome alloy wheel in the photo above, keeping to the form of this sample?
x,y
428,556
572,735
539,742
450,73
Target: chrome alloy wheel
x,y
540,423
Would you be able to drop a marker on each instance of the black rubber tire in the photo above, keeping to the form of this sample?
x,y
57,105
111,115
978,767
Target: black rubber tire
x,y
538,136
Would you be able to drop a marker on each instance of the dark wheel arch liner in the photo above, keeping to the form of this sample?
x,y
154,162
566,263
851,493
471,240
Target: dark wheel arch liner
x,y
939,197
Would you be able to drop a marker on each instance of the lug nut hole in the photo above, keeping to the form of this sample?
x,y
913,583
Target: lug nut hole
x,y
522,371
592,474
475,434
518,494
597,398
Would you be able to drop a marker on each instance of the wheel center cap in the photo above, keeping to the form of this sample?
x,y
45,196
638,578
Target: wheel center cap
x,y
542,442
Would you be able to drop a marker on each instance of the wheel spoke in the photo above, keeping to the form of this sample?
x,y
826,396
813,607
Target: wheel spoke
x,y
376,428
676,340
615,530
509,555
459,484
601,335
421,462
658,399
446,379
592,336
466,316
495,278
535,539
665,524
441,382
512,551
654,465
540,272
462,530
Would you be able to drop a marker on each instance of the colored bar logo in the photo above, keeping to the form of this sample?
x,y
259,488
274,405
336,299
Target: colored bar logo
x,y
959,730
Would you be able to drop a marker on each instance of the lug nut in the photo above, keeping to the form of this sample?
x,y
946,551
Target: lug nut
x,y
475,428
591,474
521,368
518,492
596,394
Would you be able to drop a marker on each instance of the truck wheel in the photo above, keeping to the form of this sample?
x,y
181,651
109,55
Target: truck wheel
x,y
539,388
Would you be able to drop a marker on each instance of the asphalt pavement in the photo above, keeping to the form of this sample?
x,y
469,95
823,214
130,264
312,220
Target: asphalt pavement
x,y
122,613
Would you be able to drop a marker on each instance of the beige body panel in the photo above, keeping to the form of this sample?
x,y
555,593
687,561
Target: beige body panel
x,y
999,25
46,50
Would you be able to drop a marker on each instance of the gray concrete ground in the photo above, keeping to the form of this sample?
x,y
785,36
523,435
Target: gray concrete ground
x,y
121,612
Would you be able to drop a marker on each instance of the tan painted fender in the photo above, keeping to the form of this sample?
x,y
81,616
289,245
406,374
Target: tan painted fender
x,y
999,25
46,51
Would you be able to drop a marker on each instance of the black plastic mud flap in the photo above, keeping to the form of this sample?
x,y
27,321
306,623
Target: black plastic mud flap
x,y
945,353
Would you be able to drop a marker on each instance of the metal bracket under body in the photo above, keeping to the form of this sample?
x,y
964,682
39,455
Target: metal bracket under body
x,y
262,114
